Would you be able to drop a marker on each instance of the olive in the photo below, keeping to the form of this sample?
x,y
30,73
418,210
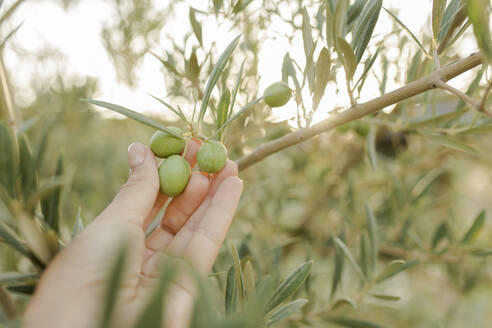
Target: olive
x,y
211,156
277,94
164,144
174,174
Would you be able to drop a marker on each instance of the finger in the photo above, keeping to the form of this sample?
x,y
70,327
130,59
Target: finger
x,y
229,169
135,200
178,212
208,234
191,151
159,203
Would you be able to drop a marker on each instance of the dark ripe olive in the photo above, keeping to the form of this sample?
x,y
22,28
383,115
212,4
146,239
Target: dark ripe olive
x,y
277,94
211,156
174,174
390,143
164,144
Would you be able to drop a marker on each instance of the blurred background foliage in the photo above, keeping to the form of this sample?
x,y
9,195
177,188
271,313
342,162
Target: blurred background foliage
x,y
425,180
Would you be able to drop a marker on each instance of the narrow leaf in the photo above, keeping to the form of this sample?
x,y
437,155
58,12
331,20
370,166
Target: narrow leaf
x,y
344,301
479,12
249,280
406,29
372,228
385,297
16,277
231,291
214,76
8,162
349,257
171,108
222,110
365,27
338,270
439,234
453,144
349,60
472,234
289,285
307,37
371,147
449,15
394,268
286,311
238,274
133,115
323,70
79,224
438,7
237,85
195,25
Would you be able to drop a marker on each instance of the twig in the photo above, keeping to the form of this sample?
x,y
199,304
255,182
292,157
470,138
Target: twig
x,y
463,96
360,110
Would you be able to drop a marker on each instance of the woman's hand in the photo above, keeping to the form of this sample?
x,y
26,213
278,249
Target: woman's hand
x,y
71,291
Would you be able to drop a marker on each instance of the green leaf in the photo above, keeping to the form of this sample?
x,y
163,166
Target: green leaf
x,y
453,144
438,7
365,27
371,147
10,34
27,168
406,29
394,268
249,280
237,85
79,224
439,234
478,12
286,311
8,237
196,26
448,29
482,252
329,26
352,323
385,297
348,57
449,14
231,291
16,277
307,37
168,65
50,205
365,264
222,110
472,234
239,113
113,286
339,17
10,11
238,274
28,289
178,112
338,270
349,257
8,160
153,315
192,68
367,66
289,285
322,77
133,115
354,11
344,301
372,228
214,76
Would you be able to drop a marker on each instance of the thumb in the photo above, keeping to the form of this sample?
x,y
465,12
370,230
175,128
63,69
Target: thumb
x,y
136,198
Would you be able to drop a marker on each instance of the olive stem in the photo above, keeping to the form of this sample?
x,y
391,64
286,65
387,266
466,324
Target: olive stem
x,y
360,110
157,220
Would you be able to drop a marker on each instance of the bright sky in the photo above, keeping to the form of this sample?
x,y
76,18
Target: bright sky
x,y
76,36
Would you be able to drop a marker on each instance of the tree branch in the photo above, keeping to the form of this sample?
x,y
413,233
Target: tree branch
x,y
360,110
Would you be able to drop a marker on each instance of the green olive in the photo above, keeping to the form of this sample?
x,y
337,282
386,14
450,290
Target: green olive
x,y
211,156
174,174
277,94
164,144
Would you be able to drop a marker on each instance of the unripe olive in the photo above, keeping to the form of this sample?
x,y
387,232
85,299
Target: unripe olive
x,y
174,174
164,144
277,94
211,156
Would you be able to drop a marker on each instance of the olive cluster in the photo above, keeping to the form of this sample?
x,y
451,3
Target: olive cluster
x,y
175,171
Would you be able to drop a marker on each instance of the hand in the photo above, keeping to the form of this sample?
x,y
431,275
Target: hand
x,y
193,228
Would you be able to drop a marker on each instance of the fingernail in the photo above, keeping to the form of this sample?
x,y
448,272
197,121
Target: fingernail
x,y
136,154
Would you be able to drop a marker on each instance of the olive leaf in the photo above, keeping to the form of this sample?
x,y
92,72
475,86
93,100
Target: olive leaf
x,y
394,268
10,11
177,111
371,147
16,277
343,301
348,57
372,228
478,12
406,29
214,76
231,291
169,65
8,160
482,252
238,274
365,264
238,114
286,311
195,25
367,66
237,85
78,225
192,68
8,237
27,165
349,257
413,71
452,143
222,110
322,77
50,205
382,86
338,270
289,285
438,7
339,17
249,280
365,27
451,22
473,232
10,34
439,234
354,11
329,26
113,286
133,115
450,13
307,37
153,316
385,297
352,323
